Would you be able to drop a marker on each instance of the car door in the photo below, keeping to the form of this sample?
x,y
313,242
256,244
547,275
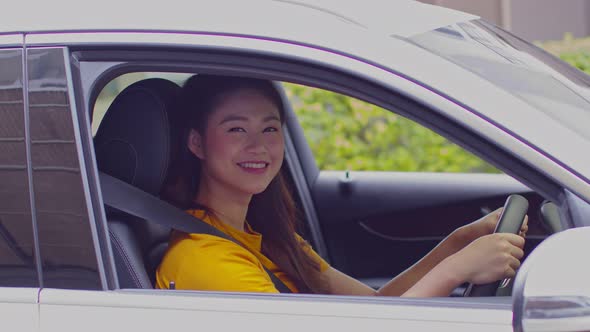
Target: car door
x,y
70,306
19,280
86,293
78,293
387,189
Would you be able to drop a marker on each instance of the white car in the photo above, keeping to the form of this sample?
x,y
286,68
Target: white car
x,y
76,254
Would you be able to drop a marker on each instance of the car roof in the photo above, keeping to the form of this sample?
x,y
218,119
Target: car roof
x,y
399,17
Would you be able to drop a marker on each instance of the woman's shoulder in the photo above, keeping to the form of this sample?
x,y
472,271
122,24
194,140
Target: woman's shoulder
x,y
205,248
204,252
181,240
208,262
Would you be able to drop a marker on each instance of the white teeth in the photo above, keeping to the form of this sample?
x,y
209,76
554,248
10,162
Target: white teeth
x,y
253,165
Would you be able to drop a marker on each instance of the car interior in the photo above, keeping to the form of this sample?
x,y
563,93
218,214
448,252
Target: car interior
x,y
136,141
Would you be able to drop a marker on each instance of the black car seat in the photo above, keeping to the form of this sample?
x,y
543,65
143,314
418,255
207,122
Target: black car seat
x,y
135,143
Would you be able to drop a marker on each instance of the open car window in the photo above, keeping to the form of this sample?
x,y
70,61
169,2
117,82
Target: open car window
x,y
360,150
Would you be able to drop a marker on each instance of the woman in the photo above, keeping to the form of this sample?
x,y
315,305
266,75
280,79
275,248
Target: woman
x,y
230,175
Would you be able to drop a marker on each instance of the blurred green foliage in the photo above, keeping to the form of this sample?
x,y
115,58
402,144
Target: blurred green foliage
x,y
580,60
348,134
575,51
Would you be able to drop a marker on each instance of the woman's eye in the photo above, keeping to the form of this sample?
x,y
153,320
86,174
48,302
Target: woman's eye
x,y
270,129
237,129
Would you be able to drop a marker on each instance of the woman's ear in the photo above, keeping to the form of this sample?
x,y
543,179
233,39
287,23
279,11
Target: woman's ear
x,y
195,144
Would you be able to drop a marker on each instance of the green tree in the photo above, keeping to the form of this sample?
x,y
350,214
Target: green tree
x,y
348,134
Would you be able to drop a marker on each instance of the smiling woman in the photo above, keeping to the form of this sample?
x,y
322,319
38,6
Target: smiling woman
x,y
226,173
229,173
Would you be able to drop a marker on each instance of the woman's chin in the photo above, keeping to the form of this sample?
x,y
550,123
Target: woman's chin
x,y
256,190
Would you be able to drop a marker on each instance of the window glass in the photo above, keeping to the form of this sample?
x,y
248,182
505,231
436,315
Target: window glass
x,y
345,133
17,262
67,249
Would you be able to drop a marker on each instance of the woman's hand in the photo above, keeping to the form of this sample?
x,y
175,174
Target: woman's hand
x,y
489,258
486,225
471,253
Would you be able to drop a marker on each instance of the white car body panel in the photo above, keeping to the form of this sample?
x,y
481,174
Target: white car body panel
x,y
325,18
68,310
391,18
19,310
11,40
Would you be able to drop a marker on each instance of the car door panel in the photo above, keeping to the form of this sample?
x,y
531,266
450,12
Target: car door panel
x,y
71,310
376,224
19,309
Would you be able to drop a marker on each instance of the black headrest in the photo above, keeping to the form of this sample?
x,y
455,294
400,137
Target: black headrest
x,y
134,141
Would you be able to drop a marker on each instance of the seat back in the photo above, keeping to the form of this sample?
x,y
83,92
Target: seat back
x,y
135,143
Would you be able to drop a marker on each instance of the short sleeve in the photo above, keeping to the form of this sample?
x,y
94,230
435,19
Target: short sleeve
x,y
313,254
213,264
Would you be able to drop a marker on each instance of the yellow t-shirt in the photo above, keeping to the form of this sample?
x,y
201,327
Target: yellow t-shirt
x,y
208,262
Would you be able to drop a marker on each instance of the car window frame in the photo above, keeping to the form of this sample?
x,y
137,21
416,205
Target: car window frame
x,y
64,82
23,87
119,61
11,40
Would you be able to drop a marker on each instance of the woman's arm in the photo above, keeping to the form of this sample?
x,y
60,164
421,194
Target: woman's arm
x,y
341,284
487,259
457,259
405,280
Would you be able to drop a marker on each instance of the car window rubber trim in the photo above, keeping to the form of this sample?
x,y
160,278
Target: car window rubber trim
x,y
128,199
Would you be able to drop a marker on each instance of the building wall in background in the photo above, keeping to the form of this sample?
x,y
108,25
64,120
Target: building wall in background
x,y
549,19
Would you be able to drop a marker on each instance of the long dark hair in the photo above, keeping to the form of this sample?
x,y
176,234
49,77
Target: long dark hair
x,y
272,212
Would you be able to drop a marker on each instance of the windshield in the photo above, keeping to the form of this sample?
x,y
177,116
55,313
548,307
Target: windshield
x,y
522,69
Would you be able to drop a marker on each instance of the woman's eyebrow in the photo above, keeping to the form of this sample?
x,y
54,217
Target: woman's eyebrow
x,y
233,118
271,118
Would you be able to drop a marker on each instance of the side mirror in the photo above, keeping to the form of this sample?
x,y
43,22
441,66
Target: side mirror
x,y
552,288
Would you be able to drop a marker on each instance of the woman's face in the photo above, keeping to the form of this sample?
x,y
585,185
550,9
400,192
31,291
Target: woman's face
x,y
242,147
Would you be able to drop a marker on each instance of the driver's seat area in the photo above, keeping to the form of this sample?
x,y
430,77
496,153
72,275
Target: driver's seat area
x,y
135,143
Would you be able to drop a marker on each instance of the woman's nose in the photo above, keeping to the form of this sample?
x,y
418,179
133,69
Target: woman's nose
x,y
255,143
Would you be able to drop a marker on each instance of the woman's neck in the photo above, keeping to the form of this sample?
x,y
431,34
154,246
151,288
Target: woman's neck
x,y
229,206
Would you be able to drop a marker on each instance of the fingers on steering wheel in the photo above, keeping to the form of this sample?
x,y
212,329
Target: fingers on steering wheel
x,y
525,226
498,212
514,240
517,253
510,272
514,264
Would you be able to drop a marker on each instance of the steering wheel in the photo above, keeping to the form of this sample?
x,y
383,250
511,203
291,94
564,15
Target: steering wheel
x,y
510,221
